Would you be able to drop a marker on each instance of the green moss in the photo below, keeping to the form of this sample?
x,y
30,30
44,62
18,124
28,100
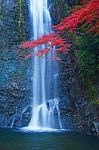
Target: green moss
x,y
19,21
92,93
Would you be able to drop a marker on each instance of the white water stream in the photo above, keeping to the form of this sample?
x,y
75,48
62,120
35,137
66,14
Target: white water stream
x,y
45,103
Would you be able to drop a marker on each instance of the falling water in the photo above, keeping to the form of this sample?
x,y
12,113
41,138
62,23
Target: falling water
x,y
44,103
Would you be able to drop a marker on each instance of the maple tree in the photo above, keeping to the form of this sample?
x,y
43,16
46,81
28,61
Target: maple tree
x,y
86,13
50,40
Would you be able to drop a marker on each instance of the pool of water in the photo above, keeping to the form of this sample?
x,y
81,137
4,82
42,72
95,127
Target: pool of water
x,y
14,139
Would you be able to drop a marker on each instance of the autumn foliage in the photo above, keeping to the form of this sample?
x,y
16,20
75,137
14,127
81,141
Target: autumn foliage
x,y
39,53
50,40
85,14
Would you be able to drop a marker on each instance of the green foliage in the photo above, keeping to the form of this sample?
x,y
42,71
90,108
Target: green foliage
x,y
87,62
92,93
86,54
59,10
87,57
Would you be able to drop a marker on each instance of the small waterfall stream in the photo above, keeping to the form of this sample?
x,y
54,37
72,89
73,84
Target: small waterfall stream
x,y
44,81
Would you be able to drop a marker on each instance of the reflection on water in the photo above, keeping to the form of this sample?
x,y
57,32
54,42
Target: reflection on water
x,y
14,139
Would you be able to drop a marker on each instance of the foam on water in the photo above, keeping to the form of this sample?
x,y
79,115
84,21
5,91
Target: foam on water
x,y
40,129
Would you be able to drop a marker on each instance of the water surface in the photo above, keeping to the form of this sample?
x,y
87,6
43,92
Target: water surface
x,y
14,139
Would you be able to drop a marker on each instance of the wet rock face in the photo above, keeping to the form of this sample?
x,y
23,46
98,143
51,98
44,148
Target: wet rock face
x,y
14,108
15,72
73,101
15,93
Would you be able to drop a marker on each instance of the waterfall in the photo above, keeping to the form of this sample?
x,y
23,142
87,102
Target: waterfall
x,y
45,103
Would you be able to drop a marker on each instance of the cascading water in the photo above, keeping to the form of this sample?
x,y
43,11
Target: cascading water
x,y
44,103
